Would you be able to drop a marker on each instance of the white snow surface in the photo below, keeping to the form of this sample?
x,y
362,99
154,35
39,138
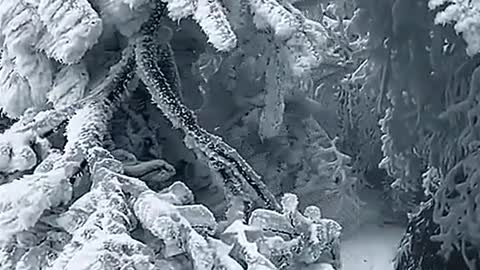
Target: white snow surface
x,y
372,248
373,245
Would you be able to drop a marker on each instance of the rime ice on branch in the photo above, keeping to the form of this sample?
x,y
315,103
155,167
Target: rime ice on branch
x,y
34,33
221,157
115,220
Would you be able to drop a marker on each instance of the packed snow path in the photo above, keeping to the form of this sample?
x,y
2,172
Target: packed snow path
x,y
373,245
372,248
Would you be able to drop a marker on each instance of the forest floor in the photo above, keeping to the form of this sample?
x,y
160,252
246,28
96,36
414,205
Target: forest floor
x,y
371,246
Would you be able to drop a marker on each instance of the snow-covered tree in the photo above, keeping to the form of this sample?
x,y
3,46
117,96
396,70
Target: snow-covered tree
x,y
73,199
427,55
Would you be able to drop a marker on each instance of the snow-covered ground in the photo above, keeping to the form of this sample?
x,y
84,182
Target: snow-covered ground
x,y
372,246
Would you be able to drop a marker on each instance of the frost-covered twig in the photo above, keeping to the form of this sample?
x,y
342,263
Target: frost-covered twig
x,y
33,34
210,15
73,27
93,117
221,157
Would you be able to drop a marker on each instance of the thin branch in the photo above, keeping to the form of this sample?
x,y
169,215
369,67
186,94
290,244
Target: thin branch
x,y
222,158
